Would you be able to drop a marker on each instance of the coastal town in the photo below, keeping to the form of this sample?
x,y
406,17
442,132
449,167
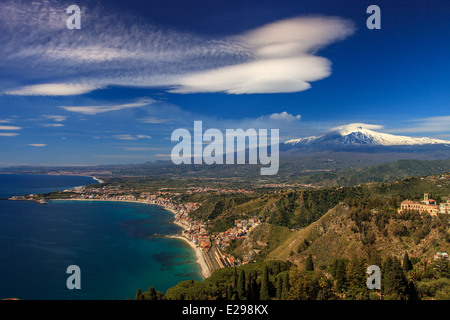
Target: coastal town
x,y
209,249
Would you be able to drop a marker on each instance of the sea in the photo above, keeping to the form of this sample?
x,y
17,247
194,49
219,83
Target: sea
x,y
110,242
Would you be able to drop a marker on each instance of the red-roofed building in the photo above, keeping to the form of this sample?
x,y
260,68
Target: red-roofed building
x,y
426,205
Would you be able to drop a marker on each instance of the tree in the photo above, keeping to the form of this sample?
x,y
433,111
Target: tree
x,y
309,265
442,268
285,289
407,265
252,286
151,294
395,284
279,287
306,285
138,294
413,294
229,292
339,273
356,273
241,285
264,292
235,278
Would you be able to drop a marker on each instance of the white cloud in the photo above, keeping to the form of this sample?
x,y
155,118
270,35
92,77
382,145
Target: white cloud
x,y
283,59
57,118
284,116
53,125
439,124
131,137
92,110
141,148
352,126
125,137
94,53
8,134
37,145
263,76
125,50
168,155
131,156
154,120
54,89
10,128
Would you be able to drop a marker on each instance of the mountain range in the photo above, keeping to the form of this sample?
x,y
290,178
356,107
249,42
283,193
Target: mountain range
x,y
324,159
356,134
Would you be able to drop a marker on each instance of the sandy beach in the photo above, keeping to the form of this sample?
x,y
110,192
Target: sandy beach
x,y
205,271
198,252
97,179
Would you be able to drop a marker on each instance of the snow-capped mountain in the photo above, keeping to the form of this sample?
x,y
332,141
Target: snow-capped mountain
x,y
357,134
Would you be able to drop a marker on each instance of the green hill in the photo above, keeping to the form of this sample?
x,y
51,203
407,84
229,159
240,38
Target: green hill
x,y
345,232
378,173
349,229
299,208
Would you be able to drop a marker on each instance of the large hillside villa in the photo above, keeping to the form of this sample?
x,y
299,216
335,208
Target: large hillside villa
x,y
426,205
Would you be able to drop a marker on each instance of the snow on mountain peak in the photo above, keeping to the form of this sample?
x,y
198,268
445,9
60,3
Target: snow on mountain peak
x,y
361,134
355,127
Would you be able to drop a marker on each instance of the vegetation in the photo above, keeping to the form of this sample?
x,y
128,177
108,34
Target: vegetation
x,y
328,258
343,279
296,209
379,173
317,243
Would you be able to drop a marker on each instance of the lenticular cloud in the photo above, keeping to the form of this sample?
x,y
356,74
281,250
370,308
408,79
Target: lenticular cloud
x,y
283,59
123,50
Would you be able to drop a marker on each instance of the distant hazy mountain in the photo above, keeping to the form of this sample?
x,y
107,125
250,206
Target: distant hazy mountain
x,y
354,135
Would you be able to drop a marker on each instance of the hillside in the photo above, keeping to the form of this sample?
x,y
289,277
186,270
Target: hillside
x,y
260,242
291,209
378,173
346,232
296,209
330,222
350,228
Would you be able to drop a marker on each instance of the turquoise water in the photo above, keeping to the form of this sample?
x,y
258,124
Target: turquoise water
x,y
109,241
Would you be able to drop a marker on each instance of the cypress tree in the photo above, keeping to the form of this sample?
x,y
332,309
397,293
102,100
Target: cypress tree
x,y
151,293
235,278
413,294
241,285
277,268
264,292
356,273
252,287
285,290
407,265
341,274
394,280
229,292
279,287
309,265
138,294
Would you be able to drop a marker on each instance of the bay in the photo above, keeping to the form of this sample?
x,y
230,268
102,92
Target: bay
x,y
109,241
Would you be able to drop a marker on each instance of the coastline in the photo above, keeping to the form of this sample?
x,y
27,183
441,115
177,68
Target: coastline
x,y
205,271
97,179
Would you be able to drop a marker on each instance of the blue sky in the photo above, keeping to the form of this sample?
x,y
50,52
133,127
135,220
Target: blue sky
x,y
114,91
